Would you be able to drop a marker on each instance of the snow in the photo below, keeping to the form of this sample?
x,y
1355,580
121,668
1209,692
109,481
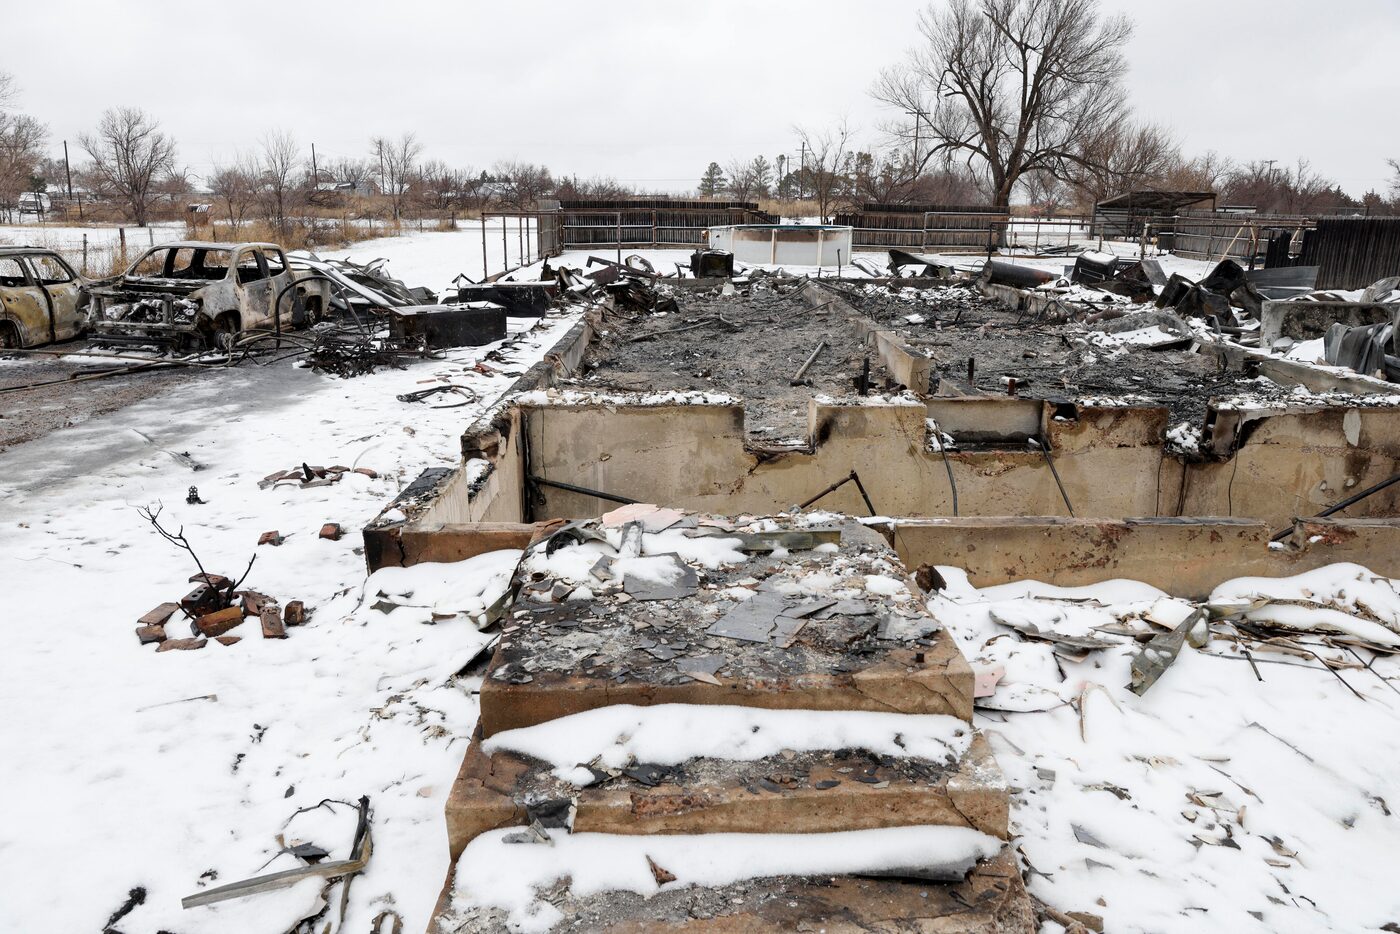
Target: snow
x,y
669,734
432,590
496,874
577,397
1220,801
121,758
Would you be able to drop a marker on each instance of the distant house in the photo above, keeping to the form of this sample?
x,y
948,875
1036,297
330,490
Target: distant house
x,y
361,189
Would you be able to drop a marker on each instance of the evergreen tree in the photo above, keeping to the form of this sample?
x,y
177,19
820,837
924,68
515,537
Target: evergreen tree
x,y
712,182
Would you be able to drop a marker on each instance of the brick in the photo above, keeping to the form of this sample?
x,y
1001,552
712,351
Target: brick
x,y
272,626
253,602
181,645
228,640
203,599
331,531
152,633
220,621
217,581
295,613
159,615
372,474
270,538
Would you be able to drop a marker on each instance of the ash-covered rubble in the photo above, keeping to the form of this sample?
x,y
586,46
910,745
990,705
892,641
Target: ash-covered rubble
x,y
982,347
750,340
670,598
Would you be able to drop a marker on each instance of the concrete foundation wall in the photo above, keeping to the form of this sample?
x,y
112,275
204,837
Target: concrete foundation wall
x,y
1297,464
1185,557
694,456
1110,462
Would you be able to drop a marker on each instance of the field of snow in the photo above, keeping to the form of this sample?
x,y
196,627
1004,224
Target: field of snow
x,y
178,771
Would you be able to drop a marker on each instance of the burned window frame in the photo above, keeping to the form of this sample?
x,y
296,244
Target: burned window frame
x,y
25,276
32,261
259,261
199,260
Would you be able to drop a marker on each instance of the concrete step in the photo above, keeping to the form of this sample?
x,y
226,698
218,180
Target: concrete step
x,y
932,678
992,900
813,792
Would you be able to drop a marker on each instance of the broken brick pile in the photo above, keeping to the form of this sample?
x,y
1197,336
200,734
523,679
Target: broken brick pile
x,y
213,608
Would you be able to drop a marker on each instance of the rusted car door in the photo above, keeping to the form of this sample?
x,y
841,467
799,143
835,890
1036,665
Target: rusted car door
x,y
52,274
24,309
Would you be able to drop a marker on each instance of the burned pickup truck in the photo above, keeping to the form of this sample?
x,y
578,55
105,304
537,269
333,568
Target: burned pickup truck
x,y
193,296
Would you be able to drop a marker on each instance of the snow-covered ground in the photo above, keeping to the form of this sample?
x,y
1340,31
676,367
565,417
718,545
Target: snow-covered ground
x,y
1221,799
171,772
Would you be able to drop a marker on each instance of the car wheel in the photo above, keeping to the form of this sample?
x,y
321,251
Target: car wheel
x,y
9,337
226,328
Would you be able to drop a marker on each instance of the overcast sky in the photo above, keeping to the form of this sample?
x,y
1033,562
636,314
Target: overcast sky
x,y
650,92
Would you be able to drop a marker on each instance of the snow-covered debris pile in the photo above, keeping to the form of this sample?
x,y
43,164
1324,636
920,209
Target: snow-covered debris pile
x,y
1250,789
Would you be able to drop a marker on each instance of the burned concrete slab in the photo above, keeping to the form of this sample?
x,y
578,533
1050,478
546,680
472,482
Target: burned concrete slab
x,y
572,641
810,792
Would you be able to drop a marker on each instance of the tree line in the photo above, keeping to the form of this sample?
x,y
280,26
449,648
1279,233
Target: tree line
x,y
1005,100
129,163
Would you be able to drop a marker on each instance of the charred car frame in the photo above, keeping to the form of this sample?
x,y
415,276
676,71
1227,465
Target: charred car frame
x,y
192,295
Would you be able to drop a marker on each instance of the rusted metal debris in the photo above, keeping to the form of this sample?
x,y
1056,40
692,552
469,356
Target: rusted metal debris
x,y
360,852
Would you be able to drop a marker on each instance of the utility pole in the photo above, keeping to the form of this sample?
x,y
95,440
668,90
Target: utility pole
x,y
315,175
916,114
801,171
68,171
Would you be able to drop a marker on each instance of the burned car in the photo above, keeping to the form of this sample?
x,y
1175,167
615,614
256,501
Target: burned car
x,y
192,296
41,298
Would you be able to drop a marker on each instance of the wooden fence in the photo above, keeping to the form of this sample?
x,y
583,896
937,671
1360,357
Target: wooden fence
x,y
650,223
925,228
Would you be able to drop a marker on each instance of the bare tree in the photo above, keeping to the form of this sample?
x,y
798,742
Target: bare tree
x,y
826,177
129,152
522,183
1202,173
742,183
21,148
596,187
353,172
1124,156
441,185
1011,86
397,161
1296,190
277,183
235,188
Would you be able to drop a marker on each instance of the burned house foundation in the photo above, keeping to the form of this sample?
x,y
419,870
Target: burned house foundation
x,y
820,427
